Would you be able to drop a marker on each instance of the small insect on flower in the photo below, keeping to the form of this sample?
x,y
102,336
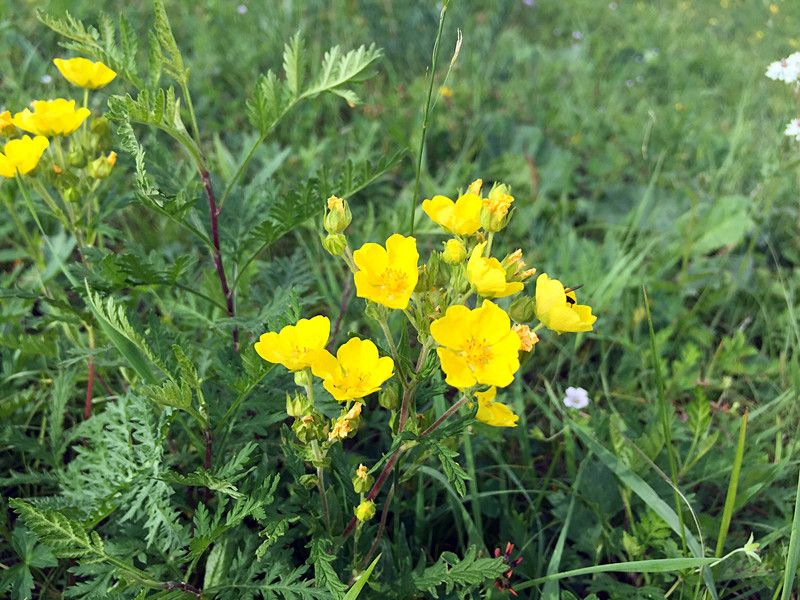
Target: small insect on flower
x,y
493,413
577,398
557,307
387,276
355,372
296,344
786,70
84,73
477,346
22,155
503,583
51,117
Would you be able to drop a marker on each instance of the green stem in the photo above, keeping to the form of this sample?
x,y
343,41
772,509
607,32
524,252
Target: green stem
x,y
426,115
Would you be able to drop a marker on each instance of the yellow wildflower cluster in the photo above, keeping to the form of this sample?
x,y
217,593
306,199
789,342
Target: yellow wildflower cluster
x,y
52,118
450,301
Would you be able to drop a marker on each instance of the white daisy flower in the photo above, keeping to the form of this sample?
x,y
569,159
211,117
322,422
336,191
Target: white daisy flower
x,y
576,398
787,69
793,129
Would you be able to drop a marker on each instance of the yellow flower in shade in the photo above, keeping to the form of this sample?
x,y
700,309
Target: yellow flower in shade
x,y
477,346
527,338
387,276
488,276
84,73
356,370
294,346
6,123
558,309
462,217
494,215
22,155
494,413
51,117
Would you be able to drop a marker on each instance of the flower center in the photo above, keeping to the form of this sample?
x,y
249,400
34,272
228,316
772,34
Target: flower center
x,y
393,282
477,353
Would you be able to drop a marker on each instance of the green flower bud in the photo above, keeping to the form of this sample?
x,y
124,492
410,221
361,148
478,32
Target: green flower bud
x,y
308,428
100,129
76,157
365,511
297,406
454,252
338,216
389,398
522,309
335,244
100,168
362,481
71,194
308,481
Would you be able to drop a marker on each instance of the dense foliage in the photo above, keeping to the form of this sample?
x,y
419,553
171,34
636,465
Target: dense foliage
x,y
148,448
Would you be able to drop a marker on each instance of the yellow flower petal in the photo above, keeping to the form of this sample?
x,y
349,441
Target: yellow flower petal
x,y
22,155
85,73
387,276
296,345
51,117
558,310
494,413
356,371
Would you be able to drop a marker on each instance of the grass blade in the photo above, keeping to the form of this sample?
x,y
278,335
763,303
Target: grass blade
x,y
793,556
354,591
733,485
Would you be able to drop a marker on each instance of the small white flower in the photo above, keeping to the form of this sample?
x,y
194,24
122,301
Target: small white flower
x,y
241,9
45,79
613,6
793,129
576,398
577,35
786,70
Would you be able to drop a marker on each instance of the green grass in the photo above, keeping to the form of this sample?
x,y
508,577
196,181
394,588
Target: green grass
x,y
644,147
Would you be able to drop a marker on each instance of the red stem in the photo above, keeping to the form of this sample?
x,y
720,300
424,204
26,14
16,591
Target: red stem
x,y
87,405
214,212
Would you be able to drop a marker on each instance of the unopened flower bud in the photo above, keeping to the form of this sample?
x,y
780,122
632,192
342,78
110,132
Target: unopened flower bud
x,y
100,129
362,482
522,309
302,378
297,405
389,398
475,187
495,212
338,216
308,428
100,168
365,511
454,252
71,194
334,243
515,267
76,157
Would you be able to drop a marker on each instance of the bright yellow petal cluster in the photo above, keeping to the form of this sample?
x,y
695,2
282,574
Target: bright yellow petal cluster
x,y
356,371
51,117
477,346
488,276
558,309
462,217
295,345
387,276
494,413
22,155
85,73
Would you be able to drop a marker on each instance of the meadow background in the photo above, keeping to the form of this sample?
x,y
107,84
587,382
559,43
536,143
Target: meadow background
x,y
644,147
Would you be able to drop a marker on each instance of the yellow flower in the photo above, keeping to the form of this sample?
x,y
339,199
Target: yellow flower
x,y
22,155
488,276
356,370
51,117
454,252
494,215
527,338
365,511
84,73
494,413
445,92
387,276
338,216
462,217
6,123
477,346
557,308
294,346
